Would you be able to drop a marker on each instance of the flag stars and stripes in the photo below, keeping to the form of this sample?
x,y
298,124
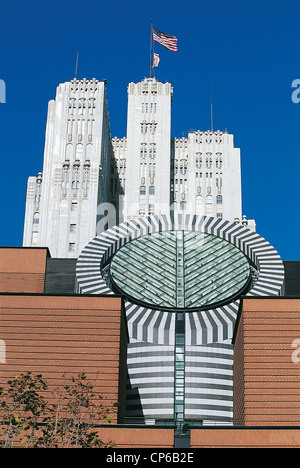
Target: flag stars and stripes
x,y
170,42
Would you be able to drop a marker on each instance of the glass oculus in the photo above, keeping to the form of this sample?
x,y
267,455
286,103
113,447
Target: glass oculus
x,y
180,269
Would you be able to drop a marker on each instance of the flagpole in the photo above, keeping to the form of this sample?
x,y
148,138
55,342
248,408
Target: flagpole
x,y
151,40
76,66
211,109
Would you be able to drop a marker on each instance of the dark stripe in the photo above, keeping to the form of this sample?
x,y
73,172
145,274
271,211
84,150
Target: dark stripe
x,y
206,396
208,375
199,407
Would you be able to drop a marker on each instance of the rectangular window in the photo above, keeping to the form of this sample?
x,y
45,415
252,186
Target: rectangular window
x,y
36,219
73,228
143,150
71,247
74,206
151,170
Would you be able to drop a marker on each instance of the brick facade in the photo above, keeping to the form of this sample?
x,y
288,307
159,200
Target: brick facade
x,y
245,438
66,334
23,270
63,336
224,437
266,379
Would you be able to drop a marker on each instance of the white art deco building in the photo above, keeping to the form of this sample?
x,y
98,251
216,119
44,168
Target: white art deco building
x,y
62,201
145,172
177,246
200,174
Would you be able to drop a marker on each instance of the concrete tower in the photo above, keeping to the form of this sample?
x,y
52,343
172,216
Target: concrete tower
x,y
144,173
146,151
62,202
206,176
198,175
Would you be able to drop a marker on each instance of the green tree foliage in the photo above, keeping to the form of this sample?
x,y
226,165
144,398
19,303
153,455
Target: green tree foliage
x,y
68,420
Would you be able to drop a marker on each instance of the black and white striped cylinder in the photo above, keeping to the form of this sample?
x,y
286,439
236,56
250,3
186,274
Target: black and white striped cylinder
x,y
208,353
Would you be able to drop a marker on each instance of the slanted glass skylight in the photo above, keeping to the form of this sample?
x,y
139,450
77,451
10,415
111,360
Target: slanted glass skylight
x,y
180,269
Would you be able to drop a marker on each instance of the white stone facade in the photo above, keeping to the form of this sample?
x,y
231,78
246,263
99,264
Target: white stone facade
x,y
200,174
207,175
78,154
32,211
146,183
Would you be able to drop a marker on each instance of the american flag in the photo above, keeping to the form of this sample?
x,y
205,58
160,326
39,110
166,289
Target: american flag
x,y
170,42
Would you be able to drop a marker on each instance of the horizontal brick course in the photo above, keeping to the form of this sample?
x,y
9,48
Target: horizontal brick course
x,y
267,380
138,437
22,270
59,336
245,438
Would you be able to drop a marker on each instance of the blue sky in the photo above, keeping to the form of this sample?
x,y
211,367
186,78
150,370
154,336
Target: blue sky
x,y
248,50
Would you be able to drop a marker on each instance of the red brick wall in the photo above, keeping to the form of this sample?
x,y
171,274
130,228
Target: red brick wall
x,y
245,438
66,335
138,437
203,438
239,377
266,384
22,269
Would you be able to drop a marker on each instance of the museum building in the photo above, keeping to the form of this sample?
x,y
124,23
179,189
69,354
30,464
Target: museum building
x,y
172,303
47,329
